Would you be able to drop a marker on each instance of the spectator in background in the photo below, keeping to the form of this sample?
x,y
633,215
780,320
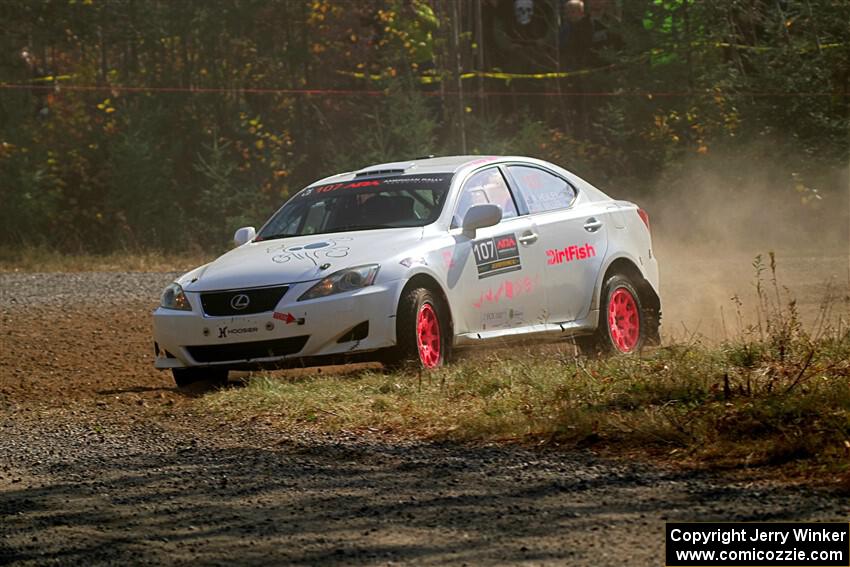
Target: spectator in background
x,y
575,35
524,33
574,43
602,21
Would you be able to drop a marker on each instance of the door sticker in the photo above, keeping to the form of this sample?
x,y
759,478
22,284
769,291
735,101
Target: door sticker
x,y
570,253
507,290
496,256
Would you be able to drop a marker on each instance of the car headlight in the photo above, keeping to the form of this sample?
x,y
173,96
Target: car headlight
x,y
174,298
342,281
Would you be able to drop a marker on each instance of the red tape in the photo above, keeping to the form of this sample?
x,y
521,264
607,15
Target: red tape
x,y
472,93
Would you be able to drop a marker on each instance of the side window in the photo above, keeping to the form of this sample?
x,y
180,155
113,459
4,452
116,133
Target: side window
x,y
541,190
486,186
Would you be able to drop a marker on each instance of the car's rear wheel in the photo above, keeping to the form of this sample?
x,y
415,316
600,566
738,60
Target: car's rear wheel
x,y
622,323
422,331
185,376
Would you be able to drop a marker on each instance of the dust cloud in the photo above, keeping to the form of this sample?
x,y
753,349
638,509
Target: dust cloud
x,y
710,221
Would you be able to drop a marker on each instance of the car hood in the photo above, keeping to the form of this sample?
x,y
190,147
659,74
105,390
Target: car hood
x,y
299,259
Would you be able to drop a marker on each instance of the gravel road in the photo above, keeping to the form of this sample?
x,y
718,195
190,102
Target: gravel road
x,y
102,461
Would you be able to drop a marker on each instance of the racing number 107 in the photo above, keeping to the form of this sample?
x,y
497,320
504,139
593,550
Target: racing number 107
x,y
484,251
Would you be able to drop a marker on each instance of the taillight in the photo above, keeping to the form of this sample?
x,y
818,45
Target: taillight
x,y
644,217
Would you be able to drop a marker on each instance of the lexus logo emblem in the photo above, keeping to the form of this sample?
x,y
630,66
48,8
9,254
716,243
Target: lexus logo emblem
x,y
240,302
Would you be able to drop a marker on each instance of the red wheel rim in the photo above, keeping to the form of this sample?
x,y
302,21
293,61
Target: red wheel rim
x,y
428,336
623,320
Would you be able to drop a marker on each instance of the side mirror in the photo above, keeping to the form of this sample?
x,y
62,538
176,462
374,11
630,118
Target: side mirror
x,y
481,216
243,235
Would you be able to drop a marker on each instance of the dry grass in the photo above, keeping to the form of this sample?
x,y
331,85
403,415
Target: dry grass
x,y
33,259
775,394
730,405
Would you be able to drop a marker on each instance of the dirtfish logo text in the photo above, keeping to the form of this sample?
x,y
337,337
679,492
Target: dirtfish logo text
x,y
570,253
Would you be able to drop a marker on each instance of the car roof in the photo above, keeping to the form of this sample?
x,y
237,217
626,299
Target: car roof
x,y
443,164
453,164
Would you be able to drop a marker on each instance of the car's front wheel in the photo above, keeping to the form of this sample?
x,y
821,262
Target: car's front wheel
x,y
186,376
422,331
622,324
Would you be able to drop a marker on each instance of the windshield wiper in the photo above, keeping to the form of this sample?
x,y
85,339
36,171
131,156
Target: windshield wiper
x,y
272,237
343,228
362,227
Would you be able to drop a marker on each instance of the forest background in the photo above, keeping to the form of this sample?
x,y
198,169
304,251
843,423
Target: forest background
x,y
165,125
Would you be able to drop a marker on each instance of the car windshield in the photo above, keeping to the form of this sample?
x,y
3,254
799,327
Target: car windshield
x,y
361,204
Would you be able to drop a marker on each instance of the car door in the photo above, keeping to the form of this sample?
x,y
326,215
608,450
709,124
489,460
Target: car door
x,y
499,290
573,239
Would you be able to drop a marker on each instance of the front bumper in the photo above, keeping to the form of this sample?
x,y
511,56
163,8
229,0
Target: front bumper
x,y
295,329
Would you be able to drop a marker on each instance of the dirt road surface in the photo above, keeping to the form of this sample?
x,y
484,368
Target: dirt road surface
x,y
102,461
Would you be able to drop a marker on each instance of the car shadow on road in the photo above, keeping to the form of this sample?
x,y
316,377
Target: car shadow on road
x,y
132,390
194,390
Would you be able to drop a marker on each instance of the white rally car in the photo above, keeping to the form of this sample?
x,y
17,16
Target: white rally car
x,y
404,262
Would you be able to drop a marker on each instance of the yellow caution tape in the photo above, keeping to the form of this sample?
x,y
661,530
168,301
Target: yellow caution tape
x,y
763,49
52,78
428,79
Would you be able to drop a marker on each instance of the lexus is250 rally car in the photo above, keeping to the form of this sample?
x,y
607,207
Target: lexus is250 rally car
x,y
404,262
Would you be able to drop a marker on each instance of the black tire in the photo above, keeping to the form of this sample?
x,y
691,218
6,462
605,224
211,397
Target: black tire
x,y
608,340
211,375
407,353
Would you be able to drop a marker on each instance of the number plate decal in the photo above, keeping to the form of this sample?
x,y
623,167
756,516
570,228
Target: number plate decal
x,y
497,255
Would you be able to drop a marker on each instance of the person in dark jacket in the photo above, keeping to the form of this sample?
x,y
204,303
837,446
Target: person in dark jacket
x,y
575,35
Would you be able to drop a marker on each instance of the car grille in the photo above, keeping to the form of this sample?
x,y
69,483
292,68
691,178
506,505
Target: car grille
x,y
247,351
226,303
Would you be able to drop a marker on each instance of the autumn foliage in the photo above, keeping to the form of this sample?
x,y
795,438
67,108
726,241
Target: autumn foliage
x,y
158,124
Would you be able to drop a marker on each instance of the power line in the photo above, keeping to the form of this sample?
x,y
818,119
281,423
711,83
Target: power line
x,y
383,92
